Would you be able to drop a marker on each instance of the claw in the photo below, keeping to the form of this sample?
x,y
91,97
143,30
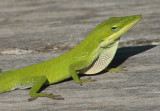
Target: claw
x,y
31,99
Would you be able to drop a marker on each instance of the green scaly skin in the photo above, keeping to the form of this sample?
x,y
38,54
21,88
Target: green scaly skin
x,y
100,45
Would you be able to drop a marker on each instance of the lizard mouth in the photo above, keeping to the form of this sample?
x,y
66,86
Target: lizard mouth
x,y
113,43
122,31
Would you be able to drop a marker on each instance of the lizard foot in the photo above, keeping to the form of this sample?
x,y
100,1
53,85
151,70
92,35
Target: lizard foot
x,y
87,80
56,97
112,70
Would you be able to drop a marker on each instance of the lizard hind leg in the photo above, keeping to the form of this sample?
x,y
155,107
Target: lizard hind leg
x,y
37,86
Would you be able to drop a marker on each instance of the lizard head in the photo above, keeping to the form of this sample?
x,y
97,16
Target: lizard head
x,y
111,30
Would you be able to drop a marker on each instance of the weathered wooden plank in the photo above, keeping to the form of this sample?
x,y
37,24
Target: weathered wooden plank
x,y
37,30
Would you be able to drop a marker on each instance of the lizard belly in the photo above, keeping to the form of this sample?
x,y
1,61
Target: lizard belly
x,y
103,60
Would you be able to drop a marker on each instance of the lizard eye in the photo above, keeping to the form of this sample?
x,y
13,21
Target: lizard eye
x,y
114,28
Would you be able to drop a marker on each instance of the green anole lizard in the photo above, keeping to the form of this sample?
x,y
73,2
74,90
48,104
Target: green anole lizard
x,y
91,56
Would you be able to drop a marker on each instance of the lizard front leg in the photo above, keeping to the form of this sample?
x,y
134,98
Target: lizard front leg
x,y
73,71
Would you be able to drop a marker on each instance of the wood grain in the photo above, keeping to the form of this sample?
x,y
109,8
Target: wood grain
x,y
32,31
